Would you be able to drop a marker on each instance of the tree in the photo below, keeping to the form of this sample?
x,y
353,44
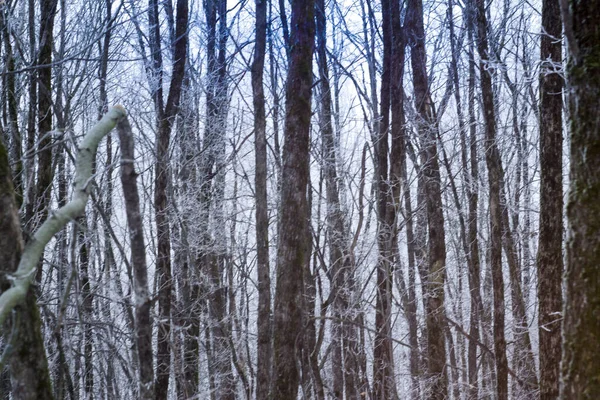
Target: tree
x,y
436,264
165,115
580,369
550,256
292,246
264,347
495,173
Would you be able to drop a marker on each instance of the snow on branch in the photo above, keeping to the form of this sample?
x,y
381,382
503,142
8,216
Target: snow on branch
x,y
21,279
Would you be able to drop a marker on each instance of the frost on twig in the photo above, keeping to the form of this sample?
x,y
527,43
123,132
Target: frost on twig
x,y
57,220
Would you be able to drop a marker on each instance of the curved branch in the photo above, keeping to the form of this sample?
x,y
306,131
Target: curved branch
x,y
58,219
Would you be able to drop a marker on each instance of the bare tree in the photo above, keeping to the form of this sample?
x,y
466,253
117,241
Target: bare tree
x,y
292,247
495,173
264,347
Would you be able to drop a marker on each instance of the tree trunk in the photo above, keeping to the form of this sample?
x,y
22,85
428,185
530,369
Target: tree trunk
x,y
164,119
436,274
550,256
293,243
580,363
143,321
264,349
494,166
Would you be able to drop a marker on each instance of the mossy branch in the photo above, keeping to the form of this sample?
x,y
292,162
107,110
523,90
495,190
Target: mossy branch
x,y
21,279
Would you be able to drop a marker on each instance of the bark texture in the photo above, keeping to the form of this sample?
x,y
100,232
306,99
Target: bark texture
x,y
264,347
436,263
550,255
581,335
29,375
292,251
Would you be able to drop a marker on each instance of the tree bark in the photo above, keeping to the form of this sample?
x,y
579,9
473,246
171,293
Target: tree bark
x,y
143,321
550,255
264,348
436,274
581,335
293,243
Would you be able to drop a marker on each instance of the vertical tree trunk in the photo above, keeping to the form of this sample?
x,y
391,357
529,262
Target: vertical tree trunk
x,y
30,379
384,385
143,321
473,231
293,243
41,202
436,274
165,114
580,363
494,166
217,103
550,256
264,349
343,360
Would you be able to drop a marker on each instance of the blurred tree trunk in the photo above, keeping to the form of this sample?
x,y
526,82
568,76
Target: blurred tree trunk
x,y
580,363
292,249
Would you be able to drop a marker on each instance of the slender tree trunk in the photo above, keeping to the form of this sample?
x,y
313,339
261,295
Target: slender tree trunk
x,y
494,166
580,363
39,208
264,347
165,114
293,243
436,274
550,256
143,321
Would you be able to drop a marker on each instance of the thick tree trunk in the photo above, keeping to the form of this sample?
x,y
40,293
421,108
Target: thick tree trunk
x,y
580,363
293,243
550,255
30,379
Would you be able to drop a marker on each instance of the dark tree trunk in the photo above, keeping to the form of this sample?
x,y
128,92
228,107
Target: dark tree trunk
x,y
436,269
143,321
264,348
293,242
495,173
384,385
38,210
580,363
30,379
343,360
550,255
165,115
